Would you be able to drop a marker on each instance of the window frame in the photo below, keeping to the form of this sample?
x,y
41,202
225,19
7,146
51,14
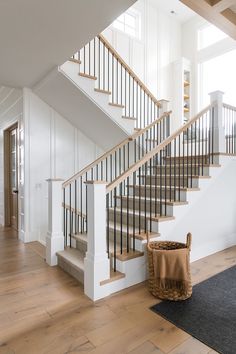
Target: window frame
x,y
137,28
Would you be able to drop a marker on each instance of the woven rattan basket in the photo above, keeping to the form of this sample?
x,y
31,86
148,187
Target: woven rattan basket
x,y
173,293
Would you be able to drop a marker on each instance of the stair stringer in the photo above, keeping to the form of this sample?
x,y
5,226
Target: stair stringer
x,y
210,213
67,99
71,70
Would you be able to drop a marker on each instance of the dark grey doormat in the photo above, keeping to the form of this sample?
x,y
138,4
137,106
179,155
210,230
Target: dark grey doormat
x,y
210,314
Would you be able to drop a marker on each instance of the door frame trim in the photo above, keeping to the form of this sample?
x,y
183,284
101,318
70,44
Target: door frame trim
x,y
6,175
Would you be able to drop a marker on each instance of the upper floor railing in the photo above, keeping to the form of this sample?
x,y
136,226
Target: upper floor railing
x,y
229,121
100,61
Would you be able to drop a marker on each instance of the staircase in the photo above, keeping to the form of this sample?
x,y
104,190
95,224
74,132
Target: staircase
x,y
96,82
140,187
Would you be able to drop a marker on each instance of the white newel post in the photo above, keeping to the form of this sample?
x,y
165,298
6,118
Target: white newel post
x,y
55,238
218,127
165,108
96,263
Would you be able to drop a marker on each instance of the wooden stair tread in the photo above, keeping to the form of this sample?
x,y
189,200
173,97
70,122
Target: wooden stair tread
x,y
131,118
102,91
88,76
73,256
136,213
177,176
113,277
139,236
126,256
184,165
168,201
184,189
73,60
80,237
116,105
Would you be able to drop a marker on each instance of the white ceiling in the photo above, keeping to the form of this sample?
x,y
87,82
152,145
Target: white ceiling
x,y
37,35
182,12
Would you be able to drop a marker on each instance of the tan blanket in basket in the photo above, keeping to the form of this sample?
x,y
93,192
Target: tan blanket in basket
x,y
171,268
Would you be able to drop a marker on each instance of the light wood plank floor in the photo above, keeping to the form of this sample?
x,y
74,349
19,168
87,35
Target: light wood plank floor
x,y
43,310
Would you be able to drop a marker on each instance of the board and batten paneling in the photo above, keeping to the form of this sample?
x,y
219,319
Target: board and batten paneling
x,y
57,150
151,56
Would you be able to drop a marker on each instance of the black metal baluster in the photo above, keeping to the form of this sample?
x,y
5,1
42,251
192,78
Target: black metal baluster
x,y
139,200
166,181
174,169
160,181
127,217
89,61
99,64
121,218
212,134
134,208
108,224
70,208
114,210
86,202
81,204
64,214
76,206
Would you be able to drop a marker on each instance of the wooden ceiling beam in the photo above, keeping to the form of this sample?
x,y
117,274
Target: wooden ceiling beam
x,y
230,15
209,10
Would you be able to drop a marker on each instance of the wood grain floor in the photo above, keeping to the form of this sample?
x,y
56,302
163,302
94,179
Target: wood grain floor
x,y
43,310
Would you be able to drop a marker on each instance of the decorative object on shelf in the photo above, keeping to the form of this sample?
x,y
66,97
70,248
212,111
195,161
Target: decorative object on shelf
x,y
186,95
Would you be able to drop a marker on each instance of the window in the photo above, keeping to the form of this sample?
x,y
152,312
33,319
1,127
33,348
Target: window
x,y
209,35
129,23
219,74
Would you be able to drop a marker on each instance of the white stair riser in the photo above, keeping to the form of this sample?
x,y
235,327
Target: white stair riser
x,y
180,195
150,206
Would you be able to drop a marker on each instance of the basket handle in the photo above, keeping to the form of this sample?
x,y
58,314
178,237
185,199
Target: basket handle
x,y
189,241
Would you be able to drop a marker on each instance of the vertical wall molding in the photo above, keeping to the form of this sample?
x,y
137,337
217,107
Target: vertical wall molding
x,y
52,144
76,154
26,187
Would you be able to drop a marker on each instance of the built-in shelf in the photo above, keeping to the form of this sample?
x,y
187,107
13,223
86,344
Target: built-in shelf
x,y
186,93
182,88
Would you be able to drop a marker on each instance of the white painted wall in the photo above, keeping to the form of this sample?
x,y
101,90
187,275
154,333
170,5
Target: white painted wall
x,y
210,214
54,149
152,55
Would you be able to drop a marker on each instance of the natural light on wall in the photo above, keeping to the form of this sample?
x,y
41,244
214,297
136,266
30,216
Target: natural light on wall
x,y
129,23
209,35
219,74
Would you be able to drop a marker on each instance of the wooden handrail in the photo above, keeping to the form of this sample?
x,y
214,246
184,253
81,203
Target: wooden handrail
x,y
153,152
76,211
129,70
225,105
112,150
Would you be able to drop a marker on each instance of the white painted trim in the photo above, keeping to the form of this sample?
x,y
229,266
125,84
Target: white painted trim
x,y
26,123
